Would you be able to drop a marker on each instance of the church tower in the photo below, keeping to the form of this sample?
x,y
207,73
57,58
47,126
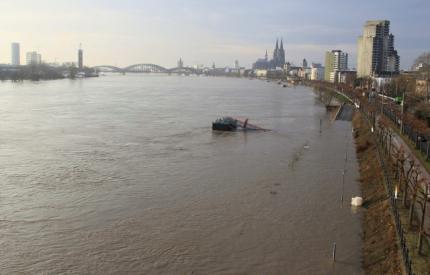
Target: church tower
x,y
281,55
276,54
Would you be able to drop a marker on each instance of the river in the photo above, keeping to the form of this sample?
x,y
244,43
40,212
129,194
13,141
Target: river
x,y
123,175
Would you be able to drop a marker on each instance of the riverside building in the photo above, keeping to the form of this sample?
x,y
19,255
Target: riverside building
x,y
317,72
335,61
376,53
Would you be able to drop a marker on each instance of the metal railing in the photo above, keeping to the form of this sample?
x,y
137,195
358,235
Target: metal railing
x,y
395,211
420,140
389,186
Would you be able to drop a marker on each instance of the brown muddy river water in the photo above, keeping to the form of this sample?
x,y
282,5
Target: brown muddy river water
x,y
123,175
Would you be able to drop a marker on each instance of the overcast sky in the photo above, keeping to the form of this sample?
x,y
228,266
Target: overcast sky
x,y
125,32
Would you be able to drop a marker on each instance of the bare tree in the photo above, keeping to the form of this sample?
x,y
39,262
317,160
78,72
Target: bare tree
x,y
423,60
422,65
407,179
422,202
414,184
400,160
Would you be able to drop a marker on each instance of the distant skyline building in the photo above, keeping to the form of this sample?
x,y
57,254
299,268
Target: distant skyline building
x,y
236,64
180,63
376,53
262,63
335,61
33,58
80,58
317,72
278,60
305,63
15,54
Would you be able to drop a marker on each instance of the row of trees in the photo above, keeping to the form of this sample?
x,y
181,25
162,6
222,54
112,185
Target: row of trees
x,y
422,62
410,184
41,71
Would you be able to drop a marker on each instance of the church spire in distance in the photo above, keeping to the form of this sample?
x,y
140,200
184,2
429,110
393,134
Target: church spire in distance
x,y
276,53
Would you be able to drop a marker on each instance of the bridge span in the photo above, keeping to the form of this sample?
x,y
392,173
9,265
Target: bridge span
x,y
146,68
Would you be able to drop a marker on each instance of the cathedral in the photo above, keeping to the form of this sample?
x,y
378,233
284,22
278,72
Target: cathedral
x,y
278,55
278,60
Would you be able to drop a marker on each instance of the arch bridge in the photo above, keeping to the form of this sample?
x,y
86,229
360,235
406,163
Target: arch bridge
x,y
146,68
107,68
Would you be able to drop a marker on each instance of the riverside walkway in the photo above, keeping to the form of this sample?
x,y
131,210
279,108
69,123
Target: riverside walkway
x,y
424,175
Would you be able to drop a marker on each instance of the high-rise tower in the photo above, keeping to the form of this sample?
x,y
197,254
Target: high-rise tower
x,y
16,55
376,53
335,61
33,58
80,58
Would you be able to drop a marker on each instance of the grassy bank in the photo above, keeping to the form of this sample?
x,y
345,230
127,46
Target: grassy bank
x,y
380,246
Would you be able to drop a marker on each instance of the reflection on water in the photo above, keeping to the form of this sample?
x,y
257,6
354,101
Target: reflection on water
x,y
122,174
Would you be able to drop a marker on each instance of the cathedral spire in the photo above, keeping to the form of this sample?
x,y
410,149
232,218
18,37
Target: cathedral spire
x,y
282,44
266,56
276,54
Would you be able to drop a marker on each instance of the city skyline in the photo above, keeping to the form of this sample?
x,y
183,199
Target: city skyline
x,y
160,32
